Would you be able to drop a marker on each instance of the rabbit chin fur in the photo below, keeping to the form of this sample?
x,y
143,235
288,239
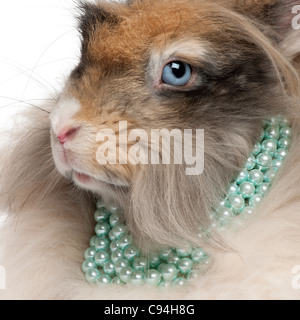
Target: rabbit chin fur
x,y
50,219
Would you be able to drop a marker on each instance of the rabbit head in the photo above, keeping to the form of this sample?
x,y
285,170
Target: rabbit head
x,y
219,66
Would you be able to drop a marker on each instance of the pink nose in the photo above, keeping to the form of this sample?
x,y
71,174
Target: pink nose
x,y
67,134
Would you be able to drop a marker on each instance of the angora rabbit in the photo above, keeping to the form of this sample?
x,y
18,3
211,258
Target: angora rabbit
x,y
225,67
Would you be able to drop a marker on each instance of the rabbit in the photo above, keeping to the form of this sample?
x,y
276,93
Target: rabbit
x,y
241,60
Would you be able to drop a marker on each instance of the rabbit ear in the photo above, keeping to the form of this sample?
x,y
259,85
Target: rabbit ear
x,y
283,16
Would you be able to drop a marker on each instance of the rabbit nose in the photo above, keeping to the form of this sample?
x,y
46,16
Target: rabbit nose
x,y
67,134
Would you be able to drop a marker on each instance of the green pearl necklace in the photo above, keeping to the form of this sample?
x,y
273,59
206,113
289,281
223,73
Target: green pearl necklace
x,y
112,257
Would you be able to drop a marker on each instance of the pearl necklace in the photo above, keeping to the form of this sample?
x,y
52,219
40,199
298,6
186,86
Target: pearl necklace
x,y
113,258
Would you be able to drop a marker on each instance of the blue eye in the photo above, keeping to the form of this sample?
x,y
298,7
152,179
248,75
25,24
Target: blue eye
x,y
177,73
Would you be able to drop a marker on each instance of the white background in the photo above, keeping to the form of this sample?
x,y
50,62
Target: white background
x,y
39,45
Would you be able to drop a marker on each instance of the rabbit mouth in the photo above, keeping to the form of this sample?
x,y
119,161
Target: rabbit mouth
x,y
82,178
75,168
85,180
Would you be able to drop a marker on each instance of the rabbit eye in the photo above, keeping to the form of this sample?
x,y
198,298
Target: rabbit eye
x,y
177,73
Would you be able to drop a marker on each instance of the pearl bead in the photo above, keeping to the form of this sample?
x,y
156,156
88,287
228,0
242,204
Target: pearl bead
x,y
92,240
102,229
101,244
173,258
109,268
140,264
116,255
270,175
255,200
89,253
256,177
185,265
161,266
164,254
120,264
91,275
114,219
263,188
101,257
224,215
283,121
154,260
264,159
101,214
114,245
116,280
242,177
124,241
281,153
137,277
100,203
272,121
103,279
257,149
272,132
152,277
125,274
248,211
119,230
199,255
237,203
269,145
88,264
247,189
286,132
184,252
251,163
223,204
277,163
234,189
131,252
113,207
179,281
284,143
111,235
169,272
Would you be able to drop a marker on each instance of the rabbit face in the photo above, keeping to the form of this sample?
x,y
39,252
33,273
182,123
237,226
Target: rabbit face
x,y
174,65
